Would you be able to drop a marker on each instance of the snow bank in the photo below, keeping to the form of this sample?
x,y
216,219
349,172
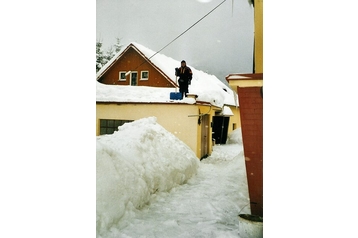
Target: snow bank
x,y
117,93
140,159
235,137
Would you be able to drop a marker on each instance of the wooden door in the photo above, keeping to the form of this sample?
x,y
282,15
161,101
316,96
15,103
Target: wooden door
x,y
134,76
204,136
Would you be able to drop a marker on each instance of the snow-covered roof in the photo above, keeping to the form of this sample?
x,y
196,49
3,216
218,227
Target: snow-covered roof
x,y
237,77
227,111
208,87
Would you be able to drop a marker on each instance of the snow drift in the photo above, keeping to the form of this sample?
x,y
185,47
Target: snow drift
x,y
138,160
235,137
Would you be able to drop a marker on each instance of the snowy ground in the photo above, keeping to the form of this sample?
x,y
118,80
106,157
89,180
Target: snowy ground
x,y
205,205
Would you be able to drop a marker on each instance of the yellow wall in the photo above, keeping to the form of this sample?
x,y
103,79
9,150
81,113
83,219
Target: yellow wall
x,y
173,117
258,18
210,111
235,119
245,83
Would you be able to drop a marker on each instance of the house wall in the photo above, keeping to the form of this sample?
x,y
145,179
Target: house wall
x,y
246,83
210,111
258,19
234,121
251,109
173,117
244,80
132,60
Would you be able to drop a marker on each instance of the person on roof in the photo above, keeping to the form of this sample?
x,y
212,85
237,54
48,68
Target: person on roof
x,y
185,75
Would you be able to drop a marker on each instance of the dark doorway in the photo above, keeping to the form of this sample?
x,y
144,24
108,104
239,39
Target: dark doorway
x,y
220,127
134,78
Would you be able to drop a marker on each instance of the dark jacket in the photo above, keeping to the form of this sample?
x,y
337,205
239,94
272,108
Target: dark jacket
x,y
185,75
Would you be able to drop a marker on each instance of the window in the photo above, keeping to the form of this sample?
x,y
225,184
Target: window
x,y
122,76
110,126
144,75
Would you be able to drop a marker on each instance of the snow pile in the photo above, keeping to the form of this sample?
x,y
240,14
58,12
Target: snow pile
x,y
235,137
138,160
227,111
116,93
206,206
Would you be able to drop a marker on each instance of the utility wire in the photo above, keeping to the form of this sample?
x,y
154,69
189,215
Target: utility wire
x,y
181,34
188,29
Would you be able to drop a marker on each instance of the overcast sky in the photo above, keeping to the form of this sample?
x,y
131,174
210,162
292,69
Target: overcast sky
x,y
220,44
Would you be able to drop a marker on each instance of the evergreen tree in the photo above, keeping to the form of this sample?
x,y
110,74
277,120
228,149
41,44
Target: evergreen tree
x,y
99,56
109,54
118,45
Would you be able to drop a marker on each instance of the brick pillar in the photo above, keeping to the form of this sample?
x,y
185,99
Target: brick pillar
x,y
251,113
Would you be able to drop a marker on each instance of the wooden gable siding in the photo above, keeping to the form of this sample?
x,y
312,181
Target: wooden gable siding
x,y
132,60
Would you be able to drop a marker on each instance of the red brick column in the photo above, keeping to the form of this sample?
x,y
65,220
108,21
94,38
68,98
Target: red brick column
x,y
251,113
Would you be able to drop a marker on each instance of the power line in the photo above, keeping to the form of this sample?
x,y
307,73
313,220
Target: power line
x,y
188,29
179,35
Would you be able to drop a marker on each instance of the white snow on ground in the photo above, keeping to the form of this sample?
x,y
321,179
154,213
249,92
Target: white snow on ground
x,y
235,137
150,184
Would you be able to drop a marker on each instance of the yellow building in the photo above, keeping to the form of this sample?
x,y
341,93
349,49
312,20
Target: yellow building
x,y
191,123
258,45
250,90
210,111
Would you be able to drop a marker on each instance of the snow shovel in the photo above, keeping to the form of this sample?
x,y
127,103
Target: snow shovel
x,y
176,95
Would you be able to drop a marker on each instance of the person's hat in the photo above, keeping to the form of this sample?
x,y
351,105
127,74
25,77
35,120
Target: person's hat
x,y
183,61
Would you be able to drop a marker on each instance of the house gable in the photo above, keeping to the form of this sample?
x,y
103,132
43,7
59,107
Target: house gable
x,y
132,59
206,87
